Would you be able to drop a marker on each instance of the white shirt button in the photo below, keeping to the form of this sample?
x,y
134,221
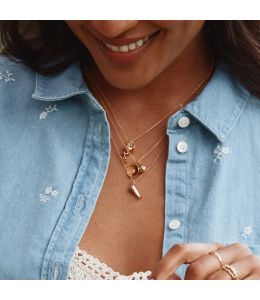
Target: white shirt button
x,y
182,147
184,122
174,224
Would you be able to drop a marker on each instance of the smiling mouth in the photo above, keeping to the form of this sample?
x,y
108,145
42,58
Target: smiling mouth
x,y
128,53
130,46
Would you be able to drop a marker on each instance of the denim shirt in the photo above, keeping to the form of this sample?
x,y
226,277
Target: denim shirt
x,y
55,150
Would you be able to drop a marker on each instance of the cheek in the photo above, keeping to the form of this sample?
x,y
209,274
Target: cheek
x,y
176,36
179,34
179,25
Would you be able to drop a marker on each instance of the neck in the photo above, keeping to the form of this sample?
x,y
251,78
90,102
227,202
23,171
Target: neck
x,y
167,90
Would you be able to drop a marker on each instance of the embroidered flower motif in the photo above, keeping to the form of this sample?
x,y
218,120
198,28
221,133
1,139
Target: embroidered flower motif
x,y
247,231
44,198
49,109
54,193
48,190
49,193
43,115
7,76
219,150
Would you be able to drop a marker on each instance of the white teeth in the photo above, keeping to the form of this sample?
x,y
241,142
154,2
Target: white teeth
x,y
139,43
123,48
114,48
132,46
127,48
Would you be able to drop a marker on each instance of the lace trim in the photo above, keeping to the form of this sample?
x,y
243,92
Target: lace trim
x,y
84,266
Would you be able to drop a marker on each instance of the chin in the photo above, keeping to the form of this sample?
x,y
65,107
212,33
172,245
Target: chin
x,y
128,84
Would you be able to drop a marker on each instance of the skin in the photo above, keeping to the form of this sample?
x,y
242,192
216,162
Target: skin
x,y
159,80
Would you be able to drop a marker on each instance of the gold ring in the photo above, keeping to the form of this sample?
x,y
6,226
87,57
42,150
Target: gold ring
x,y
215,253
231,271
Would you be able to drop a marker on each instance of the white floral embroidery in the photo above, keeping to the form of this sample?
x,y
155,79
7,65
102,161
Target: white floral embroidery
x,y
219,150
247,231
54,193
49,193
49,109
7,76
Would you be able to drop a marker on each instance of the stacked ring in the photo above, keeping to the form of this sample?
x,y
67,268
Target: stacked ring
x,y
231,271
227,268
215,253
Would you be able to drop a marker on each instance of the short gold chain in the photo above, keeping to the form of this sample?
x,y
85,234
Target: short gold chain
x,y
105,103
179,106
123,143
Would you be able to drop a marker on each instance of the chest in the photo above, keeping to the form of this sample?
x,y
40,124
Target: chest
x,y
212,196
125,232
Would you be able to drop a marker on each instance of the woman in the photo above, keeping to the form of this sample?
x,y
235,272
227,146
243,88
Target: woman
x,y
133,143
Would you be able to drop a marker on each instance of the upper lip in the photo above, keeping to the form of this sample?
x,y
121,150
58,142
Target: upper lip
x,y
120,42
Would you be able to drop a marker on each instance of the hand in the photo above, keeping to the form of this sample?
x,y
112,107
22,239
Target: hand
x,y
203,265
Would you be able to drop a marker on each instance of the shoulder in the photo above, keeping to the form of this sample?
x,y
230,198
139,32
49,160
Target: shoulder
x,y
17,84
251,116
9,63
246,103
254,101
15,77
252,109
248,126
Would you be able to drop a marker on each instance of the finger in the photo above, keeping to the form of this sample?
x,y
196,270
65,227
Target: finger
x,y
253,277
180,254
174,277
207,265
171,277
243,268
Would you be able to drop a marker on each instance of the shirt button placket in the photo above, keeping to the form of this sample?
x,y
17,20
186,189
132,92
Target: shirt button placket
x,y
174,224
56,271
176,182
182,147
184,122
80,204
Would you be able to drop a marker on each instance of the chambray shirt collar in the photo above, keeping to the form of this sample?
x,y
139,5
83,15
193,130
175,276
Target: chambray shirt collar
x,y
63,85
217,107
220,104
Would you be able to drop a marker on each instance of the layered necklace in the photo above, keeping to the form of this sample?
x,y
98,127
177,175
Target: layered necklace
x,y
136,168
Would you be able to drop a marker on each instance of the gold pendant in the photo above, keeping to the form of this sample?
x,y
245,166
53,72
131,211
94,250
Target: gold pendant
x,y
135,169
132,171
130,146
133,188
141,168
124,156
127,150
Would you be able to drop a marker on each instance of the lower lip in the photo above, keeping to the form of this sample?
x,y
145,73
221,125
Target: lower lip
x,y
125,58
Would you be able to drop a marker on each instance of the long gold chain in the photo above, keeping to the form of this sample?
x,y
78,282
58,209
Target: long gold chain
x,y
133,187
138,168
98,91
177,107
123,143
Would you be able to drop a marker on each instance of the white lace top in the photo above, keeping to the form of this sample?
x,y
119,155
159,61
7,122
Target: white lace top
x,y
84,266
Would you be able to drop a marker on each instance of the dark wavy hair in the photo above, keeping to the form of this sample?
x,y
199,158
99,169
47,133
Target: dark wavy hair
x,y
39,43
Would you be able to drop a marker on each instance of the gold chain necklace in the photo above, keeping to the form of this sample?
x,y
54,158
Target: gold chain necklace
x,y
129,169
129,145
138,168
133,187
